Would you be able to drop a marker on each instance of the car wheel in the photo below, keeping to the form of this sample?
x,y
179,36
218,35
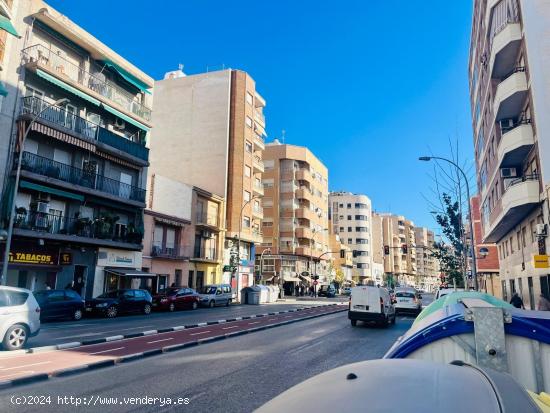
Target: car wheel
x,y
77,315
15,337
112,312
147,309
195,305
353,323
211,304
227,303
171,307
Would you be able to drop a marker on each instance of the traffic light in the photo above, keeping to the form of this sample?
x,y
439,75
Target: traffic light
x,y
405,248
342,254
386,250
315,277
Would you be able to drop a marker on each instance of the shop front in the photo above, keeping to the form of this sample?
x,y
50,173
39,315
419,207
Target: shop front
x,y
201,274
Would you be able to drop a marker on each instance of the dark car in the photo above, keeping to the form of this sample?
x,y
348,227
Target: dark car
x,y
327,291
59,304
112,303
176,298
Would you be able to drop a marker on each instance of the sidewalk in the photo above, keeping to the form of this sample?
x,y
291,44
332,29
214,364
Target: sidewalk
x,y
313,300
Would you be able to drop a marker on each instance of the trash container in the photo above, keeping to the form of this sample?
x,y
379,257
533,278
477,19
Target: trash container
x,y
253,295
264,293
244,295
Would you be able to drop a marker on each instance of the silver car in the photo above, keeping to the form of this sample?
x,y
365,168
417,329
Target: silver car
x,y
216,294
19,317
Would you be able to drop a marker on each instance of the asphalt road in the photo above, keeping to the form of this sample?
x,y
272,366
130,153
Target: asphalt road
x,y
91,328
234,375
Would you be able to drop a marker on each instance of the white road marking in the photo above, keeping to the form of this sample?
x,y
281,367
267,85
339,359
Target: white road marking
x,y
200,332
158,341
271,319
27,365
227,328
287,316
106,351
255,322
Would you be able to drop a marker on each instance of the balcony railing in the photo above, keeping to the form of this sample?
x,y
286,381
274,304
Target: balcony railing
x,y
67,120
87,178
82,227
525,178
205,253
96,82
170,252
512,72
207,219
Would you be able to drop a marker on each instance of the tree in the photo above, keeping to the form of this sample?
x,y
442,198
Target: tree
x,y
339,277
451,255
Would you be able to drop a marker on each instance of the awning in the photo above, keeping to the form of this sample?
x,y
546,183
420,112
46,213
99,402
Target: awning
x,y
305,277
290,277
53,191
3,90
5,24
54,133
129,272
126,118
67,87
130,78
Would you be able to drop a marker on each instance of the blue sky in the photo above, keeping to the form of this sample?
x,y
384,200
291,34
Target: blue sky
x,y
367,85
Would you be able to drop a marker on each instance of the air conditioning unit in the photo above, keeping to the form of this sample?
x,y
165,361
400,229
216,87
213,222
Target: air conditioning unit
x,y
120,124
508,173
42,207
540,230
206,234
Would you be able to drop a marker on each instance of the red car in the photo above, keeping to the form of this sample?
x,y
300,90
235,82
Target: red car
x,y
176,298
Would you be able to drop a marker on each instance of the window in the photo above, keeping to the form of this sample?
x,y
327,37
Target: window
x,y
532,229
341,205
350,229
523,236
157,236
349,217
247,171
350,240
246,196
249,121
170,238
361,241
349,206
56,296
267,223
342,229
249,98
248,146
511,245
246,222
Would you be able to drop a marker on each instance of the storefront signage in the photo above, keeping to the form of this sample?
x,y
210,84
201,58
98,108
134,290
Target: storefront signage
x,y
541,261
65,258
38,258
118,258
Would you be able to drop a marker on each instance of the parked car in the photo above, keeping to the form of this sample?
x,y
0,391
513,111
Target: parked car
x,y
370,303
346,290
216,294
19,317
408,300
59,304
327,291
112,303
176,298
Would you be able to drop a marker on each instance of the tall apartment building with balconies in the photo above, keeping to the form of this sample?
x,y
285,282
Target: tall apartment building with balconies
x,y
427,266
210,135
350,216
510,100
81,195
295,204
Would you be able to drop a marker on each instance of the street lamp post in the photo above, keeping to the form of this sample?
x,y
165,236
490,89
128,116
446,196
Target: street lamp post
x,y
315,232
239,242
458,168
17,176
262,261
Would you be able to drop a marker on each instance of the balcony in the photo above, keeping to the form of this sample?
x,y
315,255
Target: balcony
x,y
174,253
258,164
510,95
304,232
68,122
522,195
205,254
515,144
304,213
260,118
303,175
84,179
306,251
207,220
259,142
304,193
38,56
258,212
258,188
504,49
99,231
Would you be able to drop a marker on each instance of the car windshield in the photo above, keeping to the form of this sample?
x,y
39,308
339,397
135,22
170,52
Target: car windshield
x,y
110,294
404,294
209,289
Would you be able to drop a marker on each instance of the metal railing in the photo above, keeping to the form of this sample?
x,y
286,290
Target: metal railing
x,y
96,81
62,117
205,253
81,227
525,178
177,251
57,170
207,219
515,70
514,125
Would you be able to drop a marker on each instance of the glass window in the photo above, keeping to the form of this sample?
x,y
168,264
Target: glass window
x,y
247,171
158,234
246,196
246,222
248,146
11,298
249,121
56,296
249,98
170,238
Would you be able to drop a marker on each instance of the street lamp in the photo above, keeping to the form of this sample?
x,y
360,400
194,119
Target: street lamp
x,y
239,241
315,232
9,234
262,261
458,168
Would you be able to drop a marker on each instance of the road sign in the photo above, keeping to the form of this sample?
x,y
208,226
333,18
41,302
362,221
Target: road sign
x,y
541,261
315,282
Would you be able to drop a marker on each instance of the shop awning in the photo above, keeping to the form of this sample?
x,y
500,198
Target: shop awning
x,y
3,90
129,272
291,278
67,87
306,278
130,78
53,191
126,118
5,24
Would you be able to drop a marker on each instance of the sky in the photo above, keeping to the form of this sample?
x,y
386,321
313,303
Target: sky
x,y
367,85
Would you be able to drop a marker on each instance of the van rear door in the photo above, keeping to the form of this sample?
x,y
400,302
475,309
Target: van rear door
x,y
365,299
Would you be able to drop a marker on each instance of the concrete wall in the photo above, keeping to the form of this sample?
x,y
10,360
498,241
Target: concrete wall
x,y
170,197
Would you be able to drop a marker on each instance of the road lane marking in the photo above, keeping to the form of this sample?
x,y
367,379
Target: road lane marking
x,y
27,365
227,328
271,319
201,332
255,322
287,316
106,351
158,341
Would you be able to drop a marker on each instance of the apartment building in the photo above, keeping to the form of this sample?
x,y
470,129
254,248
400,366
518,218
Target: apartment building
x,y
377,249
342,261
427,265
295,204
80,199
210,135
399,249
350,216
509,93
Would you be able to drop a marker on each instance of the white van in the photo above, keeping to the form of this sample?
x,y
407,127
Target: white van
x,y
369,303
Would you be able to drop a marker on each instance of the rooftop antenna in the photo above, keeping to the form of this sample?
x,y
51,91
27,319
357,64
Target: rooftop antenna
x,y
180,66
283,136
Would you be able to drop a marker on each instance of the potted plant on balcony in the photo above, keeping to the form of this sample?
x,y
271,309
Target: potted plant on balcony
x,y
82,225
20,217
105,224
133,235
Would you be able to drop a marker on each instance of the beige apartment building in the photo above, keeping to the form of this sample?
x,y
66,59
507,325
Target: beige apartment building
x,y
341,260
427,266
377,249
295,224
510,102
211,136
